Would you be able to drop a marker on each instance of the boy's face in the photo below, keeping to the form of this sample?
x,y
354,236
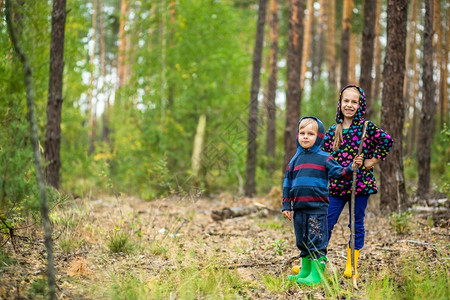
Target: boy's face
x,y
307,136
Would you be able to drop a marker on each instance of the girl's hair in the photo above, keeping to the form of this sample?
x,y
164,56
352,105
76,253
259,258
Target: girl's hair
x,y
339,126
306,121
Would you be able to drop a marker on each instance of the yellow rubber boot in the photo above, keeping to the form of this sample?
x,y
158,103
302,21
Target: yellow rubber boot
x,y
348,266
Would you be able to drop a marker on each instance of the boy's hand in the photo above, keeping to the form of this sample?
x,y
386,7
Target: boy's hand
x,y
357,162
287,214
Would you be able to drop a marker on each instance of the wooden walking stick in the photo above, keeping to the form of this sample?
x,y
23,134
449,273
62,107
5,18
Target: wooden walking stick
x,y
352,211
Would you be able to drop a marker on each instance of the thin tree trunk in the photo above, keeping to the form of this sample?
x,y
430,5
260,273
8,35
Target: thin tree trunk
x,y
367,50
198,145
58,17
105,119
92,105
307,40
294,92
392,182
427,120
345,41
250,173
317,71
377,63
121,67
410,93
55,100
272,85
444,74
352,58
331,41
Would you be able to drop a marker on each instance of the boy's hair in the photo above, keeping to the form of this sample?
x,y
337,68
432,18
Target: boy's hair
x,y
339,127
306,121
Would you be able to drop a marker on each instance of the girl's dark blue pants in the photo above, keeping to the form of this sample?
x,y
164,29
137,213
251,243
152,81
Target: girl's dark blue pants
x,y
311,234
334,211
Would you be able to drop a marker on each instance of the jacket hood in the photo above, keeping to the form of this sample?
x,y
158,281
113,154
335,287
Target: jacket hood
x,y
361,109
320,135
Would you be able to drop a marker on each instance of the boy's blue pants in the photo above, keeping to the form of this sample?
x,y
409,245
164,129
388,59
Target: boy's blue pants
x,y
311,234
334,211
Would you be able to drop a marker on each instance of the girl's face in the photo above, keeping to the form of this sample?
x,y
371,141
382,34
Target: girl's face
x,y
307,136
349,103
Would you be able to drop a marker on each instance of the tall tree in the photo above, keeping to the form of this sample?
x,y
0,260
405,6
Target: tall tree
x,y
55,99
392,182
377,62
410,86
92,102
345,41
331,41
250,186
121,67
58,8
294,92
317,65
427,120
367,50
272,85
307,40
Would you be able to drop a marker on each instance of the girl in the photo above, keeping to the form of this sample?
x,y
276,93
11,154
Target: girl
x,y
342,141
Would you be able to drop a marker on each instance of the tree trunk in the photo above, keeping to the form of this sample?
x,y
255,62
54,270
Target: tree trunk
x,y
392,183
105,119
317,66
293,93
121,66
58,21
377,63
345,41
409,87
272,85
444,74
307,41
92,105
367,50
198,145
427,119
55,100
253,110
331,41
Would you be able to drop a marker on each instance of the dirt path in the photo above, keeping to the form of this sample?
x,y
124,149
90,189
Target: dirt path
x,y
168,233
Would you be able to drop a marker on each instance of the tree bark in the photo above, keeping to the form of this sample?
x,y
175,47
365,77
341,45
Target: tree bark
x,y
345,41
55,100
331,41
59,14
392,182
250,186
272,85
294,92
377,63
121,67
367,50
427,120
92,102
307,40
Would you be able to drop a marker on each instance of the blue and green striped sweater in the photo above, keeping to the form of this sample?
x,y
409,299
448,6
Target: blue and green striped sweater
x,y
305,185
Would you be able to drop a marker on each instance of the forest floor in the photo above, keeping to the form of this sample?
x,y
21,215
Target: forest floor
x,y
174,244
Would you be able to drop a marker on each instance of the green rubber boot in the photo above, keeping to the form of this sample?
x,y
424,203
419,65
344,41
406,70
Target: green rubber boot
x,y
317,270
304,272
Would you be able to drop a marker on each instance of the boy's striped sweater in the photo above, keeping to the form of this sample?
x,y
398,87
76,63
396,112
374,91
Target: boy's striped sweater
x,y
305,186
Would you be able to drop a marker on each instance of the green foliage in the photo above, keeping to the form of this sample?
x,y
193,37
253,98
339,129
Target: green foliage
x,y
440,164
278,246
401,221
39,288
6,260
119,242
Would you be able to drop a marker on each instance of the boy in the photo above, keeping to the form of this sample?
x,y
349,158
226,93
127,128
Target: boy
x,y
305,192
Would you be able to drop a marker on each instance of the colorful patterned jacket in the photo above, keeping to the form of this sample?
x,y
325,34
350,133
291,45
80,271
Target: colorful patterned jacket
x,y
377,143
305,185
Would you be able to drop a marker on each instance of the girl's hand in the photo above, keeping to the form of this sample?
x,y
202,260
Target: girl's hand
x,y
287,214
357,162
370,163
